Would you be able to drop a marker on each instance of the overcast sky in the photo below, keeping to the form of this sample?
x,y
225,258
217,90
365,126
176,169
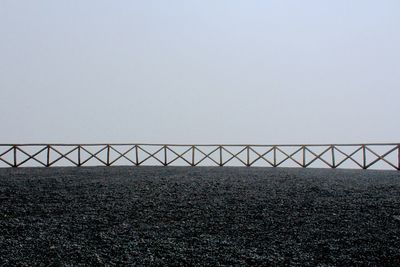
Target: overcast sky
x,y
200,71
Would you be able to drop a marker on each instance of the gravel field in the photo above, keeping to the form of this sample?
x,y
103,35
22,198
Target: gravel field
x,y
199,216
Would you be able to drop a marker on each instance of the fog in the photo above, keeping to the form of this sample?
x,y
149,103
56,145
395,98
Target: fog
x,y
199,71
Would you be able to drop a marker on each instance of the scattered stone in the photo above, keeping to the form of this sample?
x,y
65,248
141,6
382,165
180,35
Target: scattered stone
x,y
178,216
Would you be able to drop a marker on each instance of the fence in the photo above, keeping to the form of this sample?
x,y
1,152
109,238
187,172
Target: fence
x,y
364,156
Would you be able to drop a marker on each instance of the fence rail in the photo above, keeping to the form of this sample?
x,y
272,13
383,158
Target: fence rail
x,y
364,156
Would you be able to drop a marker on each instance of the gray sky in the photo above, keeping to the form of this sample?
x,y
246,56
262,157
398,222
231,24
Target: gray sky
x,y
199,71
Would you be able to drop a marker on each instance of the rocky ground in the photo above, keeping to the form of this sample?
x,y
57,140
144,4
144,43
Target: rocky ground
x,y
199,216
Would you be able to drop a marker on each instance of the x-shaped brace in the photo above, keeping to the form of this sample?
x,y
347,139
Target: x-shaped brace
x,y
4,153
179,155
151,155
31,156
381,157
122,155
207,156
64,155
234,156
94,155
289,156
261,156
318,156
349,156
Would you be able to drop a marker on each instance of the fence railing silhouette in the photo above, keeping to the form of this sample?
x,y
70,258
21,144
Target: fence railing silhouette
x,y
362,156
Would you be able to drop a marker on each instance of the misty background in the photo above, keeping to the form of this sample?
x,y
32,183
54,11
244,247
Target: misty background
x,y
199,71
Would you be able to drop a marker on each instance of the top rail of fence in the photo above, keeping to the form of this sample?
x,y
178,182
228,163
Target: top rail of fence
x,y
199,145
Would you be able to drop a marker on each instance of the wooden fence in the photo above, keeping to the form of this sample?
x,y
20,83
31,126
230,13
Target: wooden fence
x,y
364,156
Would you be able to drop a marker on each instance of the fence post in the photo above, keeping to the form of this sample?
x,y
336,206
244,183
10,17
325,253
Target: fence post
x,y
398,157
15,156
79,156
274,156
304,156
108,155
248,156
220,156
48,156
333,156
364,157
192,156
137,155
165,156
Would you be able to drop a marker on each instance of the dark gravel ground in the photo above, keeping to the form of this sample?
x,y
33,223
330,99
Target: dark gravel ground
x,y
199,216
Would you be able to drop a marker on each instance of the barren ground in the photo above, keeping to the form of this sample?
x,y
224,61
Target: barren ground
x,y
199,216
